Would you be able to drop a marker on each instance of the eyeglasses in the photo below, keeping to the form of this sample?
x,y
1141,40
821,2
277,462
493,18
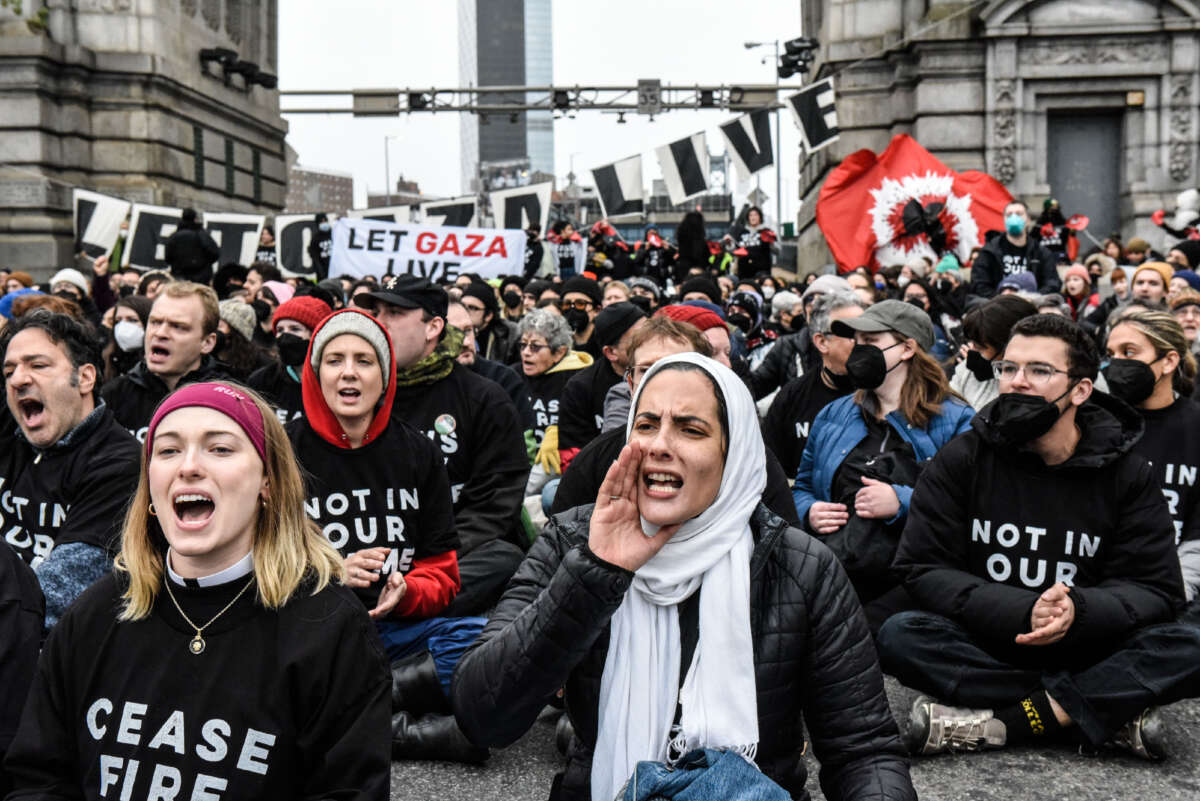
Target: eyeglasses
x,y
1037,373
581,305
533,347
473,308
1188,311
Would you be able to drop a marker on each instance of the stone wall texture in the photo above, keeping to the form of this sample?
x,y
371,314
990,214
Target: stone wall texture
x,y
111,96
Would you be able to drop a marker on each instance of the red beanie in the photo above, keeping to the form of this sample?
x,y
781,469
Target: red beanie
x,y
700,317
305,309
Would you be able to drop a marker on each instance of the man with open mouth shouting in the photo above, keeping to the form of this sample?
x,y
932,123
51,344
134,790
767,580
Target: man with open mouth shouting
x,y
69,469
181,333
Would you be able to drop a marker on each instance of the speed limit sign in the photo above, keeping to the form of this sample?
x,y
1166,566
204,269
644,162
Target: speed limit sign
x,y
649,96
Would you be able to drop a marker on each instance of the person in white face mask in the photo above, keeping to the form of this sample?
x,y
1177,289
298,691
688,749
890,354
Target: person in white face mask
x,y
128,335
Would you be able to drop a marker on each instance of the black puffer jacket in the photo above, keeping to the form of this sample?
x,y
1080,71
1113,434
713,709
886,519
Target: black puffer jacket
x,y
792,356
813,658
133,397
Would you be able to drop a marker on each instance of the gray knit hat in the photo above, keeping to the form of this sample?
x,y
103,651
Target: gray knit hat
x,y
359,323
239,316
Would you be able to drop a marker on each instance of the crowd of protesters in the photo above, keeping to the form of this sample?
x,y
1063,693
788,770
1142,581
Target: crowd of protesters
x,y
700,507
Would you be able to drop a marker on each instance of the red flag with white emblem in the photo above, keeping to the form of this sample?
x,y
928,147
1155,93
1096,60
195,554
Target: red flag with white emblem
x,y
883,210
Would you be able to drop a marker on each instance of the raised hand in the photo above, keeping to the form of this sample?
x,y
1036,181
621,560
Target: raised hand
x,y
615,533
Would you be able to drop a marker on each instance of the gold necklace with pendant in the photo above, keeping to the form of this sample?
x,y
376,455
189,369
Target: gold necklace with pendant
x,y
196,644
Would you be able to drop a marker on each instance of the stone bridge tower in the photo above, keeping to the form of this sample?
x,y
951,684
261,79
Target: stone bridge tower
x,y
1091,101
112,95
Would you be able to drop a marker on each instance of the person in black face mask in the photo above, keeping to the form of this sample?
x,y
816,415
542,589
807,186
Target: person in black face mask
x,y
1151,368
534,251
512,299
859,465
790,417
581,300
744,313
1042,556
279,381
986,330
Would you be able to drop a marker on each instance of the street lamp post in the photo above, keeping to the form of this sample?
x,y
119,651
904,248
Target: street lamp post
x,y
387,170
779,156
778,138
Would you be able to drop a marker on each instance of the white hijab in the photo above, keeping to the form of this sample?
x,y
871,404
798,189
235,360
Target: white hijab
x,y
639,689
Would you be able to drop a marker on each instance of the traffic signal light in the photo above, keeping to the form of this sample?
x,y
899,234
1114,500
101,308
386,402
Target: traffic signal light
x,y
798,56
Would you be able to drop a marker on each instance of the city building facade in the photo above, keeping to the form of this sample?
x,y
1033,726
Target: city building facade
x,y
166,102
1093,102
310,190
505,43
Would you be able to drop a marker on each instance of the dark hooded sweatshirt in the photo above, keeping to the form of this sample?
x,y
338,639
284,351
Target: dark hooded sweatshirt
x,y
581,405
476,428
22,611
287,703
73,491
134,396
512,384
391,491
1172,446
990,527
191,252
790,417
275,383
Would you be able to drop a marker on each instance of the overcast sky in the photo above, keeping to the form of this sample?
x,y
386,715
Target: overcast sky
x,y
405,43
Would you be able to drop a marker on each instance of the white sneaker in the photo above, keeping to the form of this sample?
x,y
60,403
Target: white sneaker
x,y
934,728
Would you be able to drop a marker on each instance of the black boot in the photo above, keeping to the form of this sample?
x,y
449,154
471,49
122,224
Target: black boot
x,y
416,687
563,732
432,737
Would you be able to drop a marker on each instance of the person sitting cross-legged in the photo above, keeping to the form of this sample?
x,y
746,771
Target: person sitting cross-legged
x,y
1041,555
392,521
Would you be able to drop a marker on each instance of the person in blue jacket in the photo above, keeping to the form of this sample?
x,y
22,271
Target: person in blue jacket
x,y
864,451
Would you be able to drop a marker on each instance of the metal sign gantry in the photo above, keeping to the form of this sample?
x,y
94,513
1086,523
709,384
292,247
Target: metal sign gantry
x,y
648,97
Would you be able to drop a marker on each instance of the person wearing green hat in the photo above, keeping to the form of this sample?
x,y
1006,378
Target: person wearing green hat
x,y
948,281
859,465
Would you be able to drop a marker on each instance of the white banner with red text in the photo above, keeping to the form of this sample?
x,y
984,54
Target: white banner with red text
x,y
375,247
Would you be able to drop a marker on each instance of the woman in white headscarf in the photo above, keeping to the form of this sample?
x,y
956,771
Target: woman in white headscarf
x,y
679,613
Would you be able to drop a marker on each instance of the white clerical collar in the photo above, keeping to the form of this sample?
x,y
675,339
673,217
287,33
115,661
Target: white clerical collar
x,y
235,571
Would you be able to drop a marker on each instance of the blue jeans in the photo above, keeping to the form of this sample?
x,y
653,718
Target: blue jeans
x,y
446,639
548,493
702,775
1101,692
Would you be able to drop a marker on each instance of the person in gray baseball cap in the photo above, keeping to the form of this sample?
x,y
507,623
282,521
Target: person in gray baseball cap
x,y
860,462
890,315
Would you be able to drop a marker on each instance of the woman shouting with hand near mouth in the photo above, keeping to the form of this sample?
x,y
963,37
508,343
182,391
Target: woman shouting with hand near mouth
x,y
221,657
680,614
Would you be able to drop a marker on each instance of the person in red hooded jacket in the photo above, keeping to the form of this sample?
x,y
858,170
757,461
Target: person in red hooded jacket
x,y
379,491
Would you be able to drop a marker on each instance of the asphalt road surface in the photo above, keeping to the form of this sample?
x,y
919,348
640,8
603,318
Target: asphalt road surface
x,y
523,772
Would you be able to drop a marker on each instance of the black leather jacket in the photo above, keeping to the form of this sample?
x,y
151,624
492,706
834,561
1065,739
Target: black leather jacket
x,y
813,659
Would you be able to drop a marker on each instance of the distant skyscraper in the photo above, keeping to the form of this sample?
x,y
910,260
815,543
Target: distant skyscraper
x,y
505,43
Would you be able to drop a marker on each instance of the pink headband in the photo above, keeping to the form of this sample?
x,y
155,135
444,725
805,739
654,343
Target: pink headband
x,y
222,398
